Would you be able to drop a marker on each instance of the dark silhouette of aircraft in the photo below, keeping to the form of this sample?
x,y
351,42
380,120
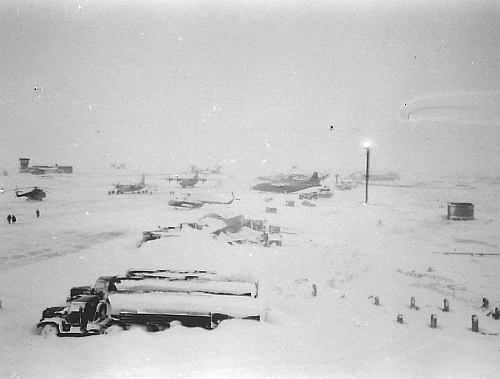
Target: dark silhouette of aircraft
x,y
192,203
233,224
188,182
36,194
293,185
131,188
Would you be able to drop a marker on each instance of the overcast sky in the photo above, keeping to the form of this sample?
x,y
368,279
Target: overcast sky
x,y
163,85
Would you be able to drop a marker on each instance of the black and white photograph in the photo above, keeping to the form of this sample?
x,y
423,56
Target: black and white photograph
x,y
249,189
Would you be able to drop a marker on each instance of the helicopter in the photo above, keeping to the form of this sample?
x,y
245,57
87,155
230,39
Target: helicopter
x,y
192,203
36,194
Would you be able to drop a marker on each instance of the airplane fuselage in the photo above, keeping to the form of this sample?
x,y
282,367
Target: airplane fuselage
x,y
283,188
187,182
124,188
129,188
288,187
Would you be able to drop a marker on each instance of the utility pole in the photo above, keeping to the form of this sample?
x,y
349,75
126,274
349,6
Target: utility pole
x,y
367,147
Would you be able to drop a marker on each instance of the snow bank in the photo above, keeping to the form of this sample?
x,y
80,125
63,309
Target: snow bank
x,y
348,251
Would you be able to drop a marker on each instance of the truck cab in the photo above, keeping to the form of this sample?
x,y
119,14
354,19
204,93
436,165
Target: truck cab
x,y
84,314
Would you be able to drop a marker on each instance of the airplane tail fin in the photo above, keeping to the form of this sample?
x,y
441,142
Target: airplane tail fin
x,y
143,181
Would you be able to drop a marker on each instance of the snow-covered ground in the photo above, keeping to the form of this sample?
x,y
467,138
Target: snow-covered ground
x,y
351,252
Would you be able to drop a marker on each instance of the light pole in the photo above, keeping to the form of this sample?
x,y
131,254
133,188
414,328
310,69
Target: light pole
x,y
367,145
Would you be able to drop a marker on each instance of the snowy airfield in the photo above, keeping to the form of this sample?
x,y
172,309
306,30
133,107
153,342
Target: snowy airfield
x,y
390,248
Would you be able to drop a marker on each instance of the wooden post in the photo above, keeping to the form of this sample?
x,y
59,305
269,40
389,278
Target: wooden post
x,y
433,321
377,302
446,306
475,324
412,303
496,315
400,318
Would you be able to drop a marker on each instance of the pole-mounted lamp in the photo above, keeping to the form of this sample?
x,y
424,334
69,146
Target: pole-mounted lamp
x,y
367,145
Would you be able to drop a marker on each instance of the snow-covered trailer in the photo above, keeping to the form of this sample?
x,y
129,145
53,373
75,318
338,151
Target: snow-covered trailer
x,y
193,298
160,309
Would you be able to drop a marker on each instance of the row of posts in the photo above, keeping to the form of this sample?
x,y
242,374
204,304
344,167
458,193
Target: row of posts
x,y
446,308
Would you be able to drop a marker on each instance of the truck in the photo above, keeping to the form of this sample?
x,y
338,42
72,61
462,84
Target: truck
x,y
157,299
83,314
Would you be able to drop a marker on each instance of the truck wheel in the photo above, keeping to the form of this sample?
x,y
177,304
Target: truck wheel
x,y
48,330
113,329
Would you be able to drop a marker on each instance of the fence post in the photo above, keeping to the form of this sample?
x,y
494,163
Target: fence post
x,y
486,303
446,306
475,324
433,321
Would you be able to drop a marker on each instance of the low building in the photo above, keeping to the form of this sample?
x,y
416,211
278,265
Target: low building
x,y
42,170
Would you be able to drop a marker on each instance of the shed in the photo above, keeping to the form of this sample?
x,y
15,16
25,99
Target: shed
x,y
460,211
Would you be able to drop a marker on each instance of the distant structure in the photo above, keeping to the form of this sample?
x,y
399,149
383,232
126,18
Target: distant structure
x,y
42,170
117,166
375,176
216,170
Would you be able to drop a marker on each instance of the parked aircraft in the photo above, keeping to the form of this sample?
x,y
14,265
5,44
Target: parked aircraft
x,y
192,202
130,188
284,178
291,185
188,182
36,194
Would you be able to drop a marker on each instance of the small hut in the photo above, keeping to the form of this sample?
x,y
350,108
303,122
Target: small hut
x,y
460,211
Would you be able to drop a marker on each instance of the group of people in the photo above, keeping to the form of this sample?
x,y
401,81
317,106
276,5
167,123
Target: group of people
x,y
12,219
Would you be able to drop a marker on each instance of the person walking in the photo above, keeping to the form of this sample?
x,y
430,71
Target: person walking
x,y
37,213
9,218
14,219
